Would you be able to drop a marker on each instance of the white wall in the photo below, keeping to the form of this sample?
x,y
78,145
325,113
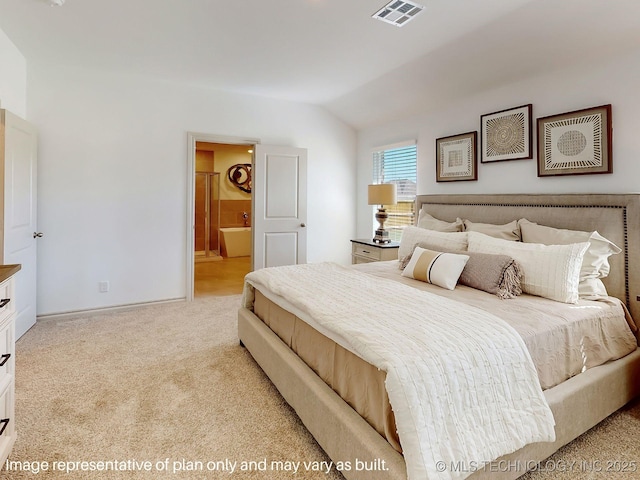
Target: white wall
x,y
13,77
600,82
113,179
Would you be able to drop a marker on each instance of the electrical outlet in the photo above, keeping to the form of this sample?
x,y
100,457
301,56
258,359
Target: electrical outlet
x,y
103,286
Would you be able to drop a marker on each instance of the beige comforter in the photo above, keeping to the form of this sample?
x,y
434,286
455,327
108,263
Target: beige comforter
x,y
563,339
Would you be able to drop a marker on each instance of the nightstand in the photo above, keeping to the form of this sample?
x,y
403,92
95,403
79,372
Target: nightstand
x,y
365,251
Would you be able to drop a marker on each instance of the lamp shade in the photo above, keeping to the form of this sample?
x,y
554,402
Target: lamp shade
x,y
383,194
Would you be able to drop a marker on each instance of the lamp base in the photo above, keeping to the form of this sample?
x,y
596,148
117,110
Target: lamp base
x,y
382,236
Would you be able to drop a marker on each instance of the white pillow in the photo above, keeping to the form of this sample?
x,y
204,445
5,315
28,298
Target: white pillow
x,y
595,263
432,223
550,271
411,236
442,269
509,231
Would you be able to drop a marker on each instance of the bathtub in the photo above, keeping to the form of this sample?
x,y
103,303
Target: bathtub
x,y
235,241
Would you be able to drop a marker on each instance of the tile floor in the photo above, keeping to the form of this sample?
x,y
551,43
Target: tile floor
x,y
222,277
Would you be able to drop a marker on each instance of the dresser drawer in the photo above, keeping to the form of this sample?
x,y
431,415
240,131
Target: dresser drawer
x,y
367,252
7,424
7,360
7,303
356,259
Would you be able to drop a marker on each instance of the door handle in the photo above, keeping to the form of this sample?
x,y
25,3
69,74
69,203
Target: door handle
x,y
37,234
303,225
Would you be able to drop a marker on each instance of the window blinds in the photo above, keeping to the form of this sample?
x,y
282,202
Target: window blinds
x,y
398,164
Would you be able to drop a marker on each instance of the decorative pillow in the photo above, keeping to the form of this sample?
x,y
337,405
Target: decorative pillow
x,y
497,274
438,268
550,271
508,231
595,263
427,221
411,236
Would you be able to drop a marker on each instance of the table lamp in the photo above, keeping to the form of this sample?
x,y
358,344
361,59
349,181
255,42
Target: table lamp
x,y
382,194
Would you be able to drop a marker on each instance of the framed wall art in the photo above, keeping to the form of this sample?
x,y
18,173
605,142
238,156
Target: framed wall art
x,y
457,158
506,135
576,142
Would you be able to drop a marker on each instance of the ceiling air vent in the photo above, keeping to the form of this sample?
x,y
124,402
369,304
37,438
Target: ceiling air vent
x,y
398,12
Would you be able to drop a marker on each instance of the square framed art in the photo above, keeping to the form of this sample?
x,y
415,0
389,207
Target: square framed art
x,y
575,143
457,158
506,135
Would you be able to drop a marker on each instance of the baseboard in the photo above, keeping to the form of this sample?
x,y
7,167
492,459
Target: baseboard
x,y
70,315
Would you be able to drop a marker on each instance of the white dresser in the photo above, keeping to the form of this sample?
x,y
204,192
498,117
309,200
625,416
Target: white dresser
x,y
7,360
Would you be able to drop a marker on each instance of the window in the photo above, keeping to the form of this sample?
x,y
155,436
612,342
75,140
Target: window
x,y
398,164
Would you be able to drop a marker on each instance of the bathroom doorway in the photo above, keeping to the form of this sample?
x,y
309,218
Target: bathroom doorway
x,y
222,239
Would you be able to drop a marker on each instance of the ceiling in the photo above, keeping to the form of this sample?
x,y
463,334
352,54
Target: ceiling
x,y
325,52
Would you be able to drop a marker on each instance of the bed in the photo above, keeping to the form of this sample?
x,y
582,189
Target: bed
x,y
577,404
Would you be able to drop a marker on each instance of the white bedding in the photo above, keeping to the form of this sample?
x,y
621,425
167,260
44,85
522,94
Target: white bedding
x,y
563,339
460,380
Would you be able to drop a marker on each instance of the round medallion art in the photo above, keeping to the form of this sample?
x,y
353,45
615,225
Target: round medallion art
x,y
572,143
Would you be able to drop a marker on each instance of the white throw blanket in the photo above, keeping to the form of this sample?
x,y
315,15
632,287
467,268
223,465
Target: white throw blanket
x,y
461,383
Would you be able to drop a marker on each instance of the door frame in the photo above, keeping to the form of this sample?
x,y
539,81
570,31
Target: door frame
x,y
192,138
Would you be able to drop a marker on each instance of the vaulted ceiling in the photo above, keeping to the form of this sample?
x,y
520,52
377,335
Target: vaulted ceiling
x,y
325,52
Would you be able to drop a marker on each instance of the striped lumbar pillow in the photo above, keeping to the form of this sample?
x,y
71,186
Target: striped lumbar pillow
x,y
438,268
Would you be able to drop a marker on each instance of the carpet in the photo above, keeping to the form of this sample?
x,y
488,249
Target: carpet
x,y
165,391
165,388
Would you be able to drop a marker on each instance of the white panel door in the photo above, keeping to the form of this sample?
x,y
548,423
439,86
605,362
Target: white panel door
x,y
20,227
280,206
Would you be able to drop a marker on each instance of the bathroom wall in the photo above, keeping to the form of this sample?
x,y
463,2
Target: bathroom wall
x,y
233,201
217,157
204,157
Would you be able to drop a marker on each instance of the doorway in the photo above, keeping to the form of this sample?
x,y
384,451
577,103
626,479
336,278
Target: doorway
x,y
220,246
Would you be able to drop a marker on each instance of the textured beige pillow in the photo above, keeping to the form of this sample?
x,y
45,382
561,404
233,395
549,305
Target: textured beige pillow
x,y
438,268
497,274
550,271
509,231
595,263
427,221
411,236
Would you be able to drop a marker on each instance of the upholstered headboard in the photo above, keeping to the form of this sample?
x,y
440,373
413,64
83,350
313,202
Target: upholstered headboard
x,y
615,216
